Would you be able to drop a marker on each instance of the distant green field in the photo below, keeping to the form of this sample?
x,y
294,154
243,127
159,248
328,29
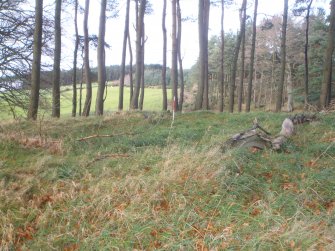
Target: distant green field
x,y
152,101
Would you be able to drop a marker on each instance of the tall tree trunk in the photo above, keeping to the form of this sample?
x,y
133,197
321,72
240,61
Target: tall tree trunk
x,y
124,53
234,69
227,81
180,60
81,90
222,77
99,106
142,71
240,93
75,54
140,11
329,96
252,57
57,58
327,67
254,97
273,69
205,104
201,81
279,101
164,57
36,67
203,21
259,100
174,56
87,105
131,82
289,89
306,79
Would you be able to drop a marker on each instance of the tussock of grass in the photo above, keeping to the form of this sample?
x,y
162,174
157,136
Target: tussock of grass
x,y
153,186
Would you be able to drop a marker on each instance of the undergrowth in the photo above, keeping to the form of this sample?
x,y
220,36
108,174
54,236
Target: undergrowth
x,y
137,181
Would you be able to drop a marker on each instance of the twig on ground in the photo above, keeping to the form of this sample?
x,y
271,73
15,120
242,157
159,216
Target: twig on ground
x,y
261,128
96,136
102,136
106,156
324,152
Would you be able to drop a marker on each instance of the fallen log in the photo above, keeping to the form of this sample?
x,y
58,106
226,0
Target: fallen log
x,y
258,137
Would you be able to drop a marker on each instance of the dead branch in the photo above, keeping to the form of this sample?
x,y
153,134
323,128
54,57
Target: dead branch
x,y
96,136
102,136
114,156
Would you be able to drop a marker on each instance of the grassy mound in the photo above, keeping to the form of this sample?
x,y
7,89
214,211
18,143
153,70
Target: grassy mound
x,y
134,181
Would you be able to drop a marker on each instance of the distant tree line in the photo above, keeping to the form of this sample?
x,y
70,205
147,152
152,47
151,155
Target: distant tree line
x,y
152,75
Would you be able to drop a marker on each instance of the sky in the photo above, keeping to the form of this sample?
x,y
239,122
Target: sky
x,y
153,46
189,42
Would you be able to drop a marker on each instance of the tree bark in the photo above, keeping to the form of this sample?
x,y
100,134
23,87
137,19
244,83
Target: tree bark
x,y
234,69
327,67
273,67
205,104
164,57
180,60
140,11
142,71
75,54
289,89
329,96
131,82
201,81
306,79
57,58
87,105
174,56
279,101
99,106
36,67
124,53
81,90
240,93
259,100
203,19
252,57
222,77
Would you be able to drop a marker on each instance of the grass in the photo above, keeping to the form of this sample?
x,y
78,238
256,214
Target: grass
x,y
153,97
152,186
152,101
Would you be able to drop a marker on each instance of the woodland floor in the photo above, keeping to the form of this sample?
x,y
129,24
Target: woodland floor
x,y
135,181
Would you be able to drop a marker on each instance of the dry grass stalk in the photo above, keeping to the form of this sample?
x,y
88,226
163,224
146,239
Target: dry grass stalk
x,y
53,146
